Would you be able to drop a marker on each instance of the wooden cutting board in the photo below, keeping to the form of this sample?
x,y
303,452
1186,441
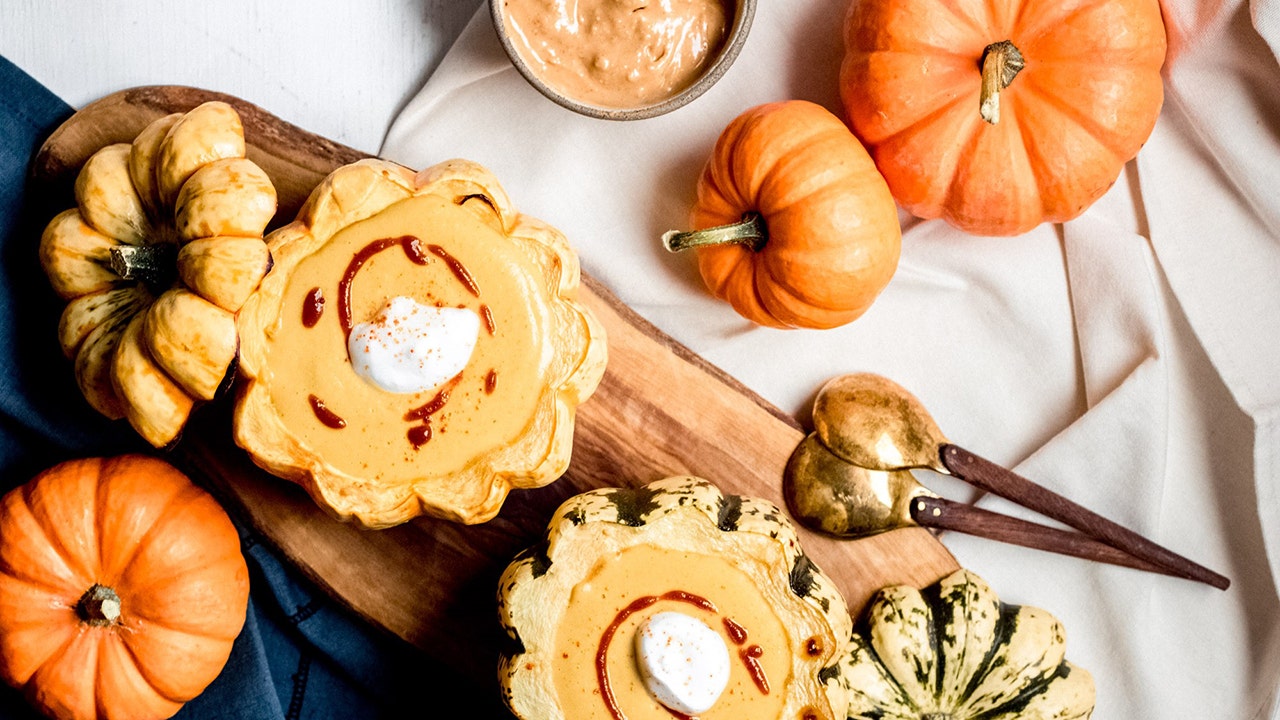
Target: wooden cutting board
x,y
659,411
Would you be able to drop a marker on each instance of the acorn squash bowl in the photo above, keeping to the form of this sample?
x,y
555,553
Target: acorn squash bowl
x,y
504,357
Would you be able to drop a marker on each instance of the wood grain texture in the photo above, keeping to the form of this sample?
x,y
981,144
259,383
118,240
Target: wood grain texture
x,y
660,410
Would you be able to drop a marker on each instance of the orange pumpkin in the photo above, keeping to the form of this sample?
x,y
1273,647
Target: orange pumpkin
x,y
1000,116
796,228
122,588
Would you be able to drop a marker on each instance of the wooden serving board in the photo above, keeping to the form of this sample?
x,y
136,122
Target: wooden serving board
x,y
659,411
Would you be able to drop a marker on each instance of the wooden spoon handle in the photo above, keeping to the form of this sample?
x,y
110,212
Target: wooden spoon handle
x,y
943,514
993,478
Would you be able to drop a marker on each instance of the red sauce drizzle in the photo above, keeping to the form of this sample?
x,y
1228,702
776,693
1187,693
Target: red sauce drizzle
x,y
602,667
435,405
420,435
313,307
751,658
813,647
324,414
750,655
490,382
489,324
412,249
696,600
459,271
736,631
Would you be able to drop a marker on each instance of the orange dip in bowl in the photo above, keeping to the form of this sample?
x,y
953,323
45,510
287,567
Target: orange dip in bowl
x,y
616,53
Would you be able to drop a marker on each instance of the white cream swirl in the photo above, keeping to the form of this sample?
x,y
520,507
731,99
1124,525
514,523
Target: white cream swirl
x,y
683,662
410,347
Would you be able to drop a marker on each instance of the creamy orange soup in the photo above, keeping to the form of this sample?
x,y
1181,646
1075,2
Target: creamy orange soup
x,y
467,264
597,606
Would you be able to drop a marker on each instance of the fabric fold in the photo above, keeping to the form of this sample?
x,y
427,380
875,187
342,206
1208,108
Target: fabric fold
x,y
1064,353
1209,179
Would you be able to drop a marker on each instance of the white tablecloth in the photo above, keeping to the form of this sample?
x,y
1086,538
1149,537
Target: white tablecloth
x,y
340,68
1126,359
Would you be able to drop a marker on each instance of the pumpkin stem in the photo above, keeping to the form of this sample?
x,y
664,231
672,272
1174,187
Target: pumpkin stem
x,y
1001,63
156,265
99,606
749,231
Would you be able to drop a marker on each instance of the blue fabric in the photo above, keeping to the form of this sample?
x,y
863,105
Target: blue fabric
x,y
300,656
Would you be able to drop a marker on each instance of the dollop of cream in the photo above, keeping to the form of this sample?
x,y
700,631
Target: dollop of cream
x,y
410,347
683,662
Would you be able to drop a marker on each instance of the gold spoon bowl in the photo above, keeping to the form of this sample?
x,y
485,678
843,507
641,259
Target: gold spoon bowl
x,y
831,495
852,477
873,422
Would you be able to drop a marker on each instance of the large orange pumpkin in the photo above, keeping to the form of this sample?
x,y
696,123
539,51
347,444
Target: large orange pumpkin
x,y
122,588
1000,116
795,227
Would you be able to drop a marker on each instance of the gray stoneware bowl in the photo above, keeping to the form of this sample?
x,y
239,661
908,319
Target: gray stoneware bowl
x,y
741,13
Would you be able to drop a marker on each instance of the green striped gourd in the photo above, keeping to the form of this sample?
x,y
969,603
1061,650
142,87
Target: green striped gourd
x,y
687,515
955,652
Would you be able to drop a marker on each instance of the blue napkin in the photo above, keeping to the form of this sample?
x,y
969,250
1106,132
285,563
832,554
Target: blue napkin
x,y
300,656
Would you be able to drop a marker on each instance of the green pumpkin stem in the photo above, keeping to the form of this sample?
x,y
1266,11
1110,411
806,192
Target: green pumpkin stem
x,y
99,606
156,265
1001,63
749,231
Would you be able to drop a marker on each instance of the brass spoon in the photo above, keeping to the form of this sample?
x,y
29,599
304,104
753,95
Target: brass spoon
x,y
831,495
873,422
852,477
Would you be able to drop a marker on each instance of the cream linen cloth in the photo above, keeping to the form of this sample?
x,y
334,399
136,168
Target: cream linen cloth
x,y
1127,359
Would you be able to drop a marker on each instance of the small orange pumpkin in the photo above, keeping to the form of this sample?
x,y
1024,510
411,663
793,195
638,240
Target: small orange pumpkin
x,y
1000,116
796,228
122,588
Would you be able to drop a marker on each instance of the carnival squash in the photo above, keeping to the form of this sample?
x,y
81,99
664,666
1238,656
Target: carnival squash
x,y
122,589
794,226
162,248
436,276
997,117
955,651
615,559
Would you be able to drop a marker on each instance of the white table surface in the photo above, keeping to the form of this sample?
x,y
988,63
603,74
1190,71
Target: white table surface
x,y
339,68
